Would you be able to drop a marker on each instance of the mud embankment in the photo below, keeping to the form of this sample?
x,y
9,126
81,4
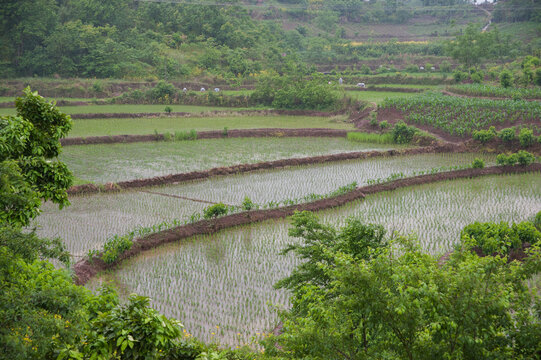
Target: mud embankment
x,y
229,111
213,134
84,270
265,165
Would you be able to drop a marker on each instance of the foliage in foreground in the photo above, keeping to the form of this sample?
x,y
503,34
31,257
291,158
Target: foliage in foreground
x,y
396,302
29,169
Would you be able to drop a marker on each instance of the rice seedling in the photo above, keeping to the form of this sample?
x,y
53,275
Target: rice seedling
x,y
90,220
220,285
144,160
294,183
142,126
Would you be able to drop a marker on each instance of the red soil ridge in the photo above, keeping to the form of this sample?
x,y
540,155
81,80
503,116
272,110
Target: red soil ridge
x,y
213,134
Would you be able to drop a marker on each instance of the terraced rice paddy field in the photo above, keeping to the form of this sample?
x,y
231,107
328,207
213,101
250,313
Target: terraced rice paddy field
x,y
91,219
144,160
222,299
221,285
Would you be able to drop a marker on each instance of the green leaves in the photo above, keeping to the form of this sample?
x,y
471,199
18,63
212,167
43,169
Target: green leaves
x,y
29,171
399,303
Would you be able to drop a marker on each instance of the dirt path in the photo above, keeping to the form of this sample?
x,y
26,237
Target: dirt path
x,y
84,269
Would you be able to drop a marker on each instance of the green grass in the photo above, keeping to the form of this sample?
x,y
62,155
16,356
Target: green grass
x,y
141,126
221,299
386,138
378,96
144,160
100,109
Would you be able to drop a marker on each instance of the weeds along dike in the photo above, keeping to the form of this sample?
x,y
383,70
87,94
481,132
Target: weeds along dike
x,y
84,270
265,165
213,134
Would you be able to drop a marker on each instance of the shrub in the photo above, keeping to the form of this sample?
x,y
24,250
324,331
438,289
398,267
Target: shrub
x,y
478,163
459,76
503,159
225,132
384,125
445,66
365,70
168,109
215,210
115,246
525,137
506,78
507,134
525,158
402,133
484,136
185,135
248,204
373,119
476,78
500,238
537,221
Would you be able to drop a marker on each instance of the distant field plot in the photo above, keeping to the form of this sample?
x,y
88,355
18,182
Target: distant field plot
x,y
221,299
142,126
90,220
378,96
293,183
117,162
123,108
461,116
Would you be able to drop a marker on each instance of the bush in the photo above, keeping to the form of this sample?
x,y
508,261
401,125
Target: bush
x,y
168,109
500,238
214,211
185,135
484,136
525,137
476,78
384,125
525,158
478,163
365,70
507,134
445,66
402,133
504,159
537,221
459,76
506,78
248,204
115,246
225,132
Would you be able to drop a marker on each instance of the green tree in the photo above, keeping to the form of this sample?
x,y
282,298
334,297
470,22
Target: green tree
x,y
401,303
28,159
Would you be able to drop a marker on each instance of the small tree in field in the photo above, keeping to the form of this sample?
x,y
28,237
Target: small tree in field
x,y
506,78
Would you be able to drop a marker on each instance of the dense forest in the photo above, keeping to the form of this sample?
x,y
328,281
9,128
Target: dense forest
x,y
139,39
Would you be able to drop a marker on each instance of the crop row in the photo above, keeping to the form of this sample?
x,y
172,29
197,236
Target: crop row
x,y
497,91
222,299
461,116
